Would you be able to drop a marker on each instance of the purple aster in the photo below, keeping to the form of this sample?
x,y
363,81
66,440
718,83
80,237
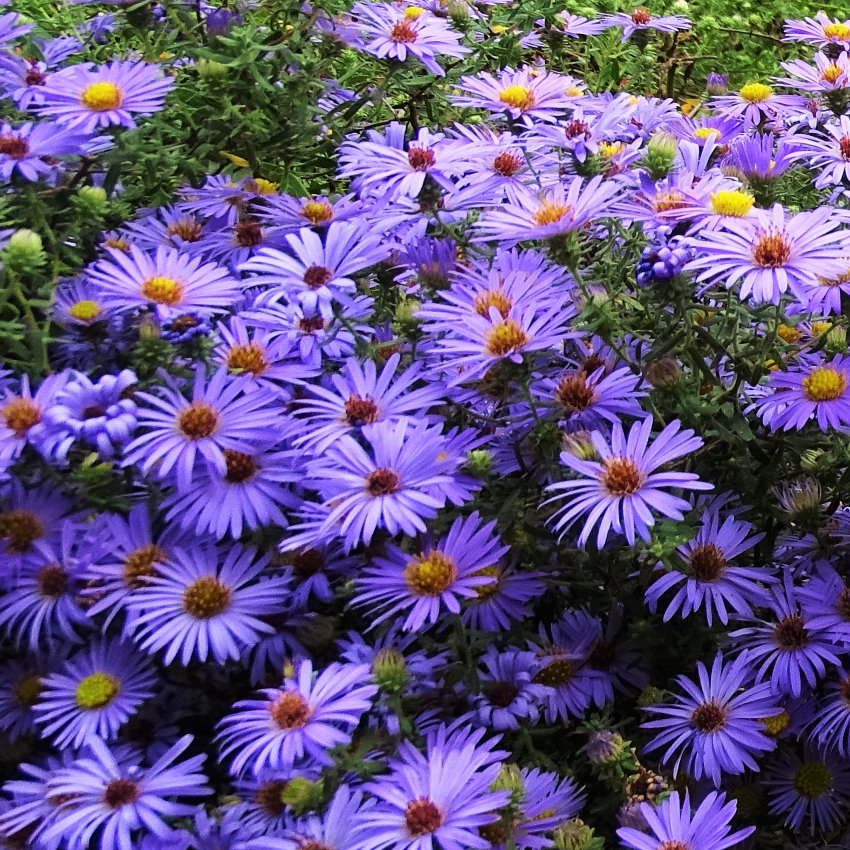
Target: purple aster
x,y
674,827
401,477
509,695
316,570
304,718
29,150
712,584
812,792
42,605
755,103
390,31
773,253
505,599
203,604
22,412
169,227
825,601
621,491
788,650
758,159
432,583
826,151
101,415
178,433
817,391
225,200
21,684
577,25
87,97
115,799
94,693
639,20
565,208
290,214
821,30
360,395
715,728
77,306
169,281
12,26
319,268
830,724
442,799
525,95
826,75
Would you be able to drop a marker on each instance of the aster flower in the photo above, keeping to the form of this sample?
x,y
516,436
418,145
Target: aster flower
x,y
812,792
826,151
31,522
168,281
523,95
755,103
509,696
400,478
715,728
821,30
829,725
87,97
111,800
200,604
640,19
505,599
12,27
22,411
673,825
303,719
317,271
772,254
713,583
787,650
290,214
434,582
21,684
760,157
360,396
577,25
393,32
826,75
442,799
825,601
554,212
94,693
177,432
620,491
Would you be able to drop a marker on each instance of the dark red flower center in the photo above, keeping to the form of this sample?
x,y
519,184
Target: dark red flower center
x,y
420,159
382,482
361,410
52,581
121,792
708,562
317,276
14,145
422,817
709,716
791,633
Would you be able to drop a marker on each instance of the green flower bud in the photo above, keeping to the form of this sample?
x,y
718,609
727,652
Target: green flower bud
x,y
92,199
405,312
578,443
605,746
650,695
660,154
208,69
24,250
479,462
510,779
389,670
836,341
575,834
810,460
302,795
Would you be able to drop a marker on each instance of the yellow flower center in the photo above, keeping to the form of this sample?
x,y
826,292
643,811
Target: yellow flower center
x,y
831,73
163,290
505,338
609,149
96,691
837,32
789,333
672,200
733,203
431,574
573,91
819,328
27,690
260,186
497,298
813,779
84,311
706,133
776,723
101,97
414,12
756,92
549,212
485,591
206,597
555,674
518,97
824,384
317,212
20,414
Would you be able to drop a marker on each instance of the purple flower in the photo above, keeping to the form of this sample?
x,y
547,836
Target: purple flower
x,y
715,728
621,491
503,600
94,694
394,32
640,19
673,826
755,103
821,30
434,582
302,719
830,723
825,602
22,412
115,799
87,97
200,605
29,150
509,695
12,27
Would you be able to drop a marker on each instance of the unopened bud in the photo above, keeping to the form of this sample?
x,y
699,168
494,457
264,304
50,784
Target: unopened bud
x,y
604,746
303,795
92,199
579,444
208,69
389,669
575,834
660,154
24,250
836,341
717,83
663,373
479,462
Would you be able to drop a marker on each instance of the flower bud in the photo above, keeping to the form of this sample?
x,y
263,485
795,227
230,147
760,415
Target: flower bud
x,y
389,670
479,462
510,779
660,154
575,834
208,69
650,696
406,310
302,794
717,83
836,341
24,250
579,444
604,746
663,373
92,199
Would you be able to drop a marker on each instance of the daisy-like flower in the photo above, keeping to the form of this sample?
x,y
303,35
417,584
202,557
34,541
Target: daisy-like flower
x,y
818,391
305,717
509,695
29,150
640,19
395,32
112,801
359,396
12,27
505,599
821,30
622,490
787,650
441,800
317,271
577,25
21,684
773,253
401,477
169,281
716,727
22,411
673,826
826,151
553,212
289,214
760,157
525,95
88,97
177,432
812,792
712,584
200,605
830,723
434,582
94,694
825,601
754,103
826,75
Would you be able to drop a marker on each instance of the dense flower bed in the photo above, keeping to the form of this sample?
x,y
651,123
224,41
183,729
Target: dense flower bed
x,y
413,439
